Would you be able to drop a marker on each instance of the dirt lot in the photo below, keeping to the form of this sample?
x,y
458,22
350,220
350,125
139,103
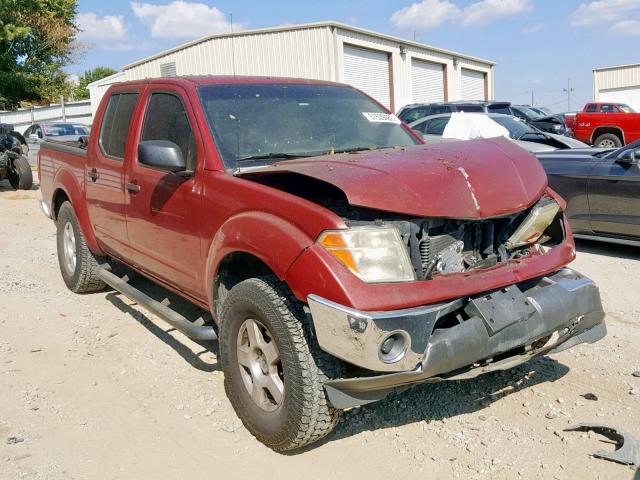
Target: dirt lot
x,y
93,387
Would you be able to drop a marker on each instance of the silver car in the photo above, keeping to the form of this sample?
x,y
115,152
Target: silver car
x,y
526,136
60,131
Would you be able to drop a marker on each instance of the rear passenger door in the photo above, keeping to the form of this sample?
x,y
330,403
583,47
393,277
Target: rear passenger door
x,y
105,173
163,212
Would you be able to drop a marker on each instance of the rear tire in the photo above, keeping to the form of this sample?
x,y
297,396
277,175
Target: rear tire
x,y
297,413
608,140
78,265
21,176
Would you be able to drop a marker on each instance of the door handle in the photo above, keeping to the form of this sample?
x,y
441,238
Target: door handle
x,y
93,174
132,187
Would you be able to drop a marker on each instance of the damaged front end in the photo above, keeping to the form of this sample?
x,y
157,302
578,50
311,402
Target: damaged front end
x,y
459,339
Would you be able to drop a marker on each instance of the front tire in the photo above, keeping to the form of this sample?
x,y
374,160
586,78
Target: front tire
x,y
78,265
274,372
608,140
21,176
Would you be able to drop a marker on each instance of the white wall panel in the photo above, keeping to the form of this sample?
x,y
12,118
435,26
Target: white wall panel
x,y
472,85
368,70
427,81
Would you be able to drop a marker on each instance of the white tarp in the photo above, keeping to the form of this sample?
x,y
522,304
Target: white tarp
x,y
467,126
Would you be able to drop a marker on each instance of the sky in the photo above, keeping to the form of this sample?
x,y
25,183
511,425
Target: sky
x,y
537,44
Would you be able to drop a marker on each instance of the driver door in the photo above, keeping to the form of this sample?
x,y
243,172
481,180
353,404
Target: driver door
x,y
614,197
164,209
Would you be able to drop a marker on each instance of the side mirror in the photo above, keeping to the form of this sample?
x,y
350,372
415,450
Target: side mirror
x,y
161,154
628,157
33,137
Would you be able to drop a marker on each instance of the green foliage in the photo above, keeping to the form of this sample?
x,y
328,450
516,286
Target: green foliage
x,y
37,38
89,76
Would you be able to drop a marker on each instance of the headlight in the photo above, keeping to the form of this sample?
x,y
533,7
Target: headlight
x,y
535,224
374,254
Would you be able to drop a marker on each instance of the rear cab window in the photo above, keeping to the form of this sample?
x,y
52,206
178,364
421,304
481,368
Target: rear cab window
x,y
115,124
591,108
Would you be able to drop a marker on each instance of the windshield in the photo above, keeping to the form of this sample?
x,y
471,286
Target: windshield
x,y
63,129
517,128
276,121
530,114
626,108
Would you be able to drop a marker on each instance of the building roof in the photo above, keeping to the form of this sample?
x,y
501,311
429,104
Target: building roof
x,y
230,80
617,67
302,26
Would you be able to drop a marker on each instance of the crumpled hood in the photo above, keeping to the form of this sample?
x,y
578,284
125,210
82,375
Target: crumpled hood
x,y
464,180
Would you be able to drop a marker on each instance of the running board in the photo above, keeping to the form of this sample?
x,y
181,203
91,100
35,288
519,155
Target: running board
x,y
173,318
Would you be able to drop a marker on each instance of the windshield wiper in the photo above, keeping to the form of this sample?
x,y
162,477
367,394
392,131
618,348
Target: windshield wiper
x,y
273,155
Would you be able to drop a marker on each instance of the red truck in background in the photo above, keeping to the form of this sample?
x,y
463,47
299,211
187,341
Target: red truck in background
x,y
605,125
339,256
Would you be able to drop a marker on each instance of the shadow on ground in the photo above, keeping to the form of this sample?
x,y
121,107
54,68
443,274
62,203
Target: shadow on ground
x,y
161,330
438,401
5,186
423,402
626,252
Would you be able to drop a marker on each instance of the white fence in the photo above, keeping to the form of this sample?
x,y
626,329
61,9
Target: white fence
x,y
79,112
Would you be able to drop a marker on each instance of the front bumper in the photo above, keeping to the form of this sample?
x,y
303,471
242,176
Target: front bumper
x,y
459,339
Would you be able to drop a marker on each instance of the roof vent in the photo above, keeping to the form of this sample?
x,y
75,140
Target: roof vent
x,y
168,69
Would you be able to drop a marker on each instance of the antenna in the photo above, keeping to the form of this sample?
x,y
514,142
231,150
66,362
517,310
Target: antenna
x,y
233,45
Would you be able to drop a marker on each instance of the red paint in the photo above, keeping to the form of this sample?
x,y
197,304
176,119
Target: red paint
x,y
178,230
476,179
588,126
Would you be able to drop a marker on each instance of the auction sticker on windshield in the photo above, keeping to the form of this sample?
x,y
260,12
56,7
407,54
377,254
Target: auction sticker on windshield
x,y
380,117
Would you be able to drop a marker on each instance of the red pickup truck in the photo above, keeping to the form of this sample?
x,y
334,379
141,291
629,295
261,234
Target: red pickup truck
x,y
340,257
606,125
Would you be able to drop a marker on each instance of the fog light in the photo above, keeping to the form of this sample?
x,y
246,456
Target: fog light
x,y
393,347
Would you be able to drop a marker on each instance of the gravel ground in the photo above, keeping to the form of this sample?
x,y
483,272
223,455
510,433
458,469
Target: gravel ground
x,y
93,386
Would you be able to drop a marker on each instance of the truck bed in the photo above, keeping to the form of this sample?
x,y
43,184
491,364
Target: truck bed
x,y
60,158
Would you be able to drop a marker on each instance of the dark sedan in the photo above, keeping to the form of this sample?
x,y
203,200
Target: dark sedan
x,y
602,190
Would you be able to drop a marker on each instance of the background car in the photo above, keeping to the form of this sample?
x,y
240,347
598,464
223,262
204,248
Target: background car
x,y
530,138
60,131
542,110
553,123
416,111
602,190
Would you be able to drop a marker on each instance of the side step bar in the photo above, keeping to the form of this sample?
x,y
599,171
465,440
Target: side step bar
x,y
173,318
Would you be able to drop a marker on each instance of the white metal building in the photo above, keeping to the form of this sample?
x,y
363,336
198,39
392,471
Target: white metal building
x,y
98,88
619,84
392,70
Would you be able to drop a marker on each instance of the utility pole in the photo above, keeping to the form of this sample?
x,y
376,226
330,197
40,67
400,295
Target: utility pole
x,y
568,91
532,99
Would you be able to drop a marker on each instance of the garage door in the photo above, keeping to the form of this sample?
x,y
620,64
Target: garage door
x,y
630,96
472,87
427,81
368,70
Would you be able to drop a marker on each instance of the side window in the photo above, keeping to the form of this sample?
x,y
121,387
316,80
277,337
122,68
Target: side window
x,y
440,109
421,127
416,114
436,126
607,108
591,108
166,119
115,124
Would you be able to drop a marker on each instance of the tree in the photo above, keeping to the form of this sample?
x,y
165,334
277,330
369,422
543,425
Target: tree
x,y
37,38
89,76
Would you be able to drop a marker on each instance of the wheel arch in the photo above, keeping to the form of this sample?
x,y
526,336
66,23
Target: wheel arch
x,y
617,131
66,188
251,244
